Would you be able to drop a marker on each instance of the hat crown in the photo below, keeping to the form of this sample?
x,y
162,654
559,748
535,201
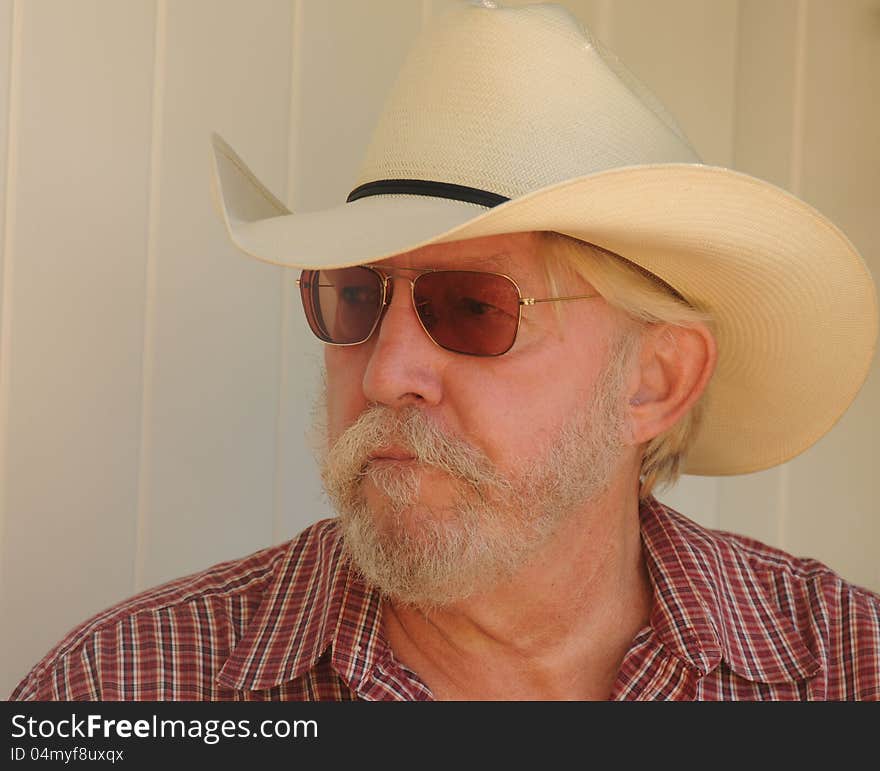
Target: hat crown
x,y
510,100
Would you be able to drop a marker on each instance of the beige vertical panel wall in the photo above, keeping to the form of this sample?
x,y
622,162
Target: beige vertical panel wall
x,y
837,168
156,386
211,359
78,148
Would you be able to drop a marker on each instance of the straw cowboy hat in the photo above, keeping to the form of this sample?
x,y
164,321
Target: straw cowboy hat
x,y
515,119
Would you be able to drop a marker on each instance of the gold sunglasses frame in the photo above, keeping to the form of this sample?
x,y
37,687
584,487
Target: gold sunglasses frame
x,y
387,274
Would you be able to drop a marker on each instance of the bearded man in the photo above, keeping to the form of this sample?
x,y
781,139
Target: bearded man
x,y
537,307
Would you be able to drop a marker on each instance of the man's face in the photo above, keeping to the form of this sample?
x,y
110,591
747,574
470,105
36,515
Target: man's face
x,y
450,471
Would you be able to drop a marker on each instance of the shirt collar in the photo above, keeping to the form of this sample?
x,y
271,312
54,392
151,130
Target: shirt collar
x,y
712,603
315,601
709,604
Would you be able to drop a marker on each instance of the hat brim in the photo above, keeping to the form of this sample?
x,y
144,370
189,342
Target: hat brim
x,y
794,305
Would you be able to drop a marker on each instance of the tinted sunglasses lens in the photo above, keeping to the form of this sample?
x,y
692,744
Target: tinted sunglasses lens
x,y
467,312
342,306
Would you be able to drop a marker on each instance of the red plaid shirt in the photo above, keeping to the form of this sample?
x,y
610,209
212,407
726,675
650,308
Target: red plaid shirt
x,y
732,619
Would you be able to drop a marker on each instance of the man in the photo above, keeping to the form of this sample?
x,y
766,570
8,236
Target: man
x,y
537,306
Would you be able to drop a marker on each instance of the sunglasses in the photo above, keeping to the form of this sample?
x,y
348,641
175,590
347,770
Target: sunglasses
x,y
464,311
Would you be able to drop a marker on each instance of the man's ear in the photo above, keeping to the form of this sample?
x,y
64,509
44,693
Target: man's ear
x,y
674,367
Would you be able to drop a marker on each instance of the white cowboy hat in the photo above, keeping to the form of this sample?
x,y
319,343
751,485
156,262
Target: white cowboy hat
x,y
514,119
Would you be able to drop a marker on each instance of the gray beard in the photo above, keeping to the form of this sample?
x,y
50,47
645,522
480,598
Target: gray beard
x,y
492,524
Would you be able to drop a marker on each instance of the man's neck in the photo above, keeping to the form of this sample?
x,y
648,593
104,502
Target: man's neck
x,y
558,630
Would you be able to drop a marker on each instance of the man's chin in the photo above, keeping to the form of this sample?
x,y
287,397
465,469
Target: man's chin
x,y
413,520
429,499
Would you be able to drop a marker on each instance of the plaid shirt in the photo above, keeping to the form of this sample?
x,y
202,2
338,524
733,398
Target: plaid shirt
x,y
732,619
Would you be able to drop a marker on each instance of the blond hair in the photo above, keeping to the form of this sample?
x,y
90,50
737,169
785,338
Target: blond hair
x,y
647,300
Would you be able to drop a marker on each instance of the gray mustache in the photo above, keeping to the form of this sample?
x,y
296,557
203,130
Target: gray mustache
x,y
412,431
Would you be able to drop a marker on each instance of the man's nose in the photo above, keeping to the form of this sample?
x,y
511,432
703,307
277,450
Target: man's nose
x,y
405,366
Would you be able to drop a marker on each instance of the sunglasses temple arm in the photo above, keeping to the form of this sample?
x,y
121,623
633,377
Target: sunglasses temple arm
x,y
534,300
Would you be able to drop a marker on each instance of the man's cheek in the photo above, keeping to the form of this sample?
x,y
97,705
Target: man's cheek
x,y
343,409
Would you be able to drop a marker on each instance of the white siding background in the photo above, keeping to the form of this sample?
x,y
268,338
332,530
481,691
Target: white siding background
x,y
155,384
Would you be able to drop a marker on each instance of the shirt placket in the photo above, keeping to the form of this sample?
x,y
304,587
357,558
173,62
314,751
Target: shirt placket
x,y
389,680
650,671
